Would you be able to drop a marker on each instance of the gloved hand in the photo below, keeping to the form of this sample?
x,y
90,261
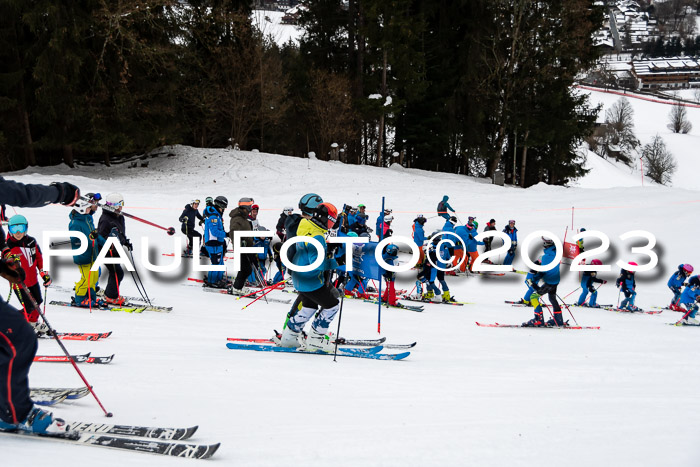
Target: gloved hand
x,y
11,269
605,282
68,194
46,278
93,235
201,223
128,245
336,292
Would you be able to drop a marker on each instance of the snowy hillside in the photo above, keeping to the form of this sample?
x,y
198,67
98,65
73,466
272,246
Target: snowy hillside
x,y
622,395
650,119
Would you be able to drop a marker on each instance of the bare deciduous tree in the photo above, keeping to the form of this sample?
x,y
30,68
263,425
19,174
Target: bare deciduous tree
x,y
678,119
659,163
620,131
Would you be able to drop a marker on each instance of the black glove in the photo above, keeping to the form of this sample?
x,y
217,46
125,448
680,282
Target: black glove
x,y
11,269
128,245
336,292
46,278
68,194
93,235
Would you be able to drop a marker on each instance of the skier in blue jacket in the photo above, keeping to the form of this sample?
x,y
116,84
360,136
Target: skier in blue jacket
x,y
551,281
419,236
588,279
675,283
215,240
627,286
512,232
689,300
443,206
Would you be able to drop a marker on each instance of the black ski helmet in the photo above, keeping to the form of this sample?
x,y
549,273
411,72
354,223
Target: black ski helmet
x,y
209,201
246,203
221,202
309,202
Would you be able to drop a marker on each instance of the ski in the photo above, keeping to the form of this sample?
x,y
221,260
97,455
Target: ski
x,y
128,307
251,297
69,393
498,325
85,358
588,306
132,430
519,302
100,293
78,336
371,353
621,310
682,324
420,299
62,358
190,451
49,400
398,305
341,341
102,307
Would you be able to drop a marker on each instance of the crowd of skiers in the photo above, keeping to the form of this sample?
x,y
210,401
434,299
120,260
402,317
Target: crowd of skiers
x,y
319,290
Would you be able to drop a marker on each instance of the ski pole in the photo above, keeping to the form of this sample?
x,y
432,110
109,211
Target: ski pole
x,y
61,243
270,289
137,280
568,309
169,230
53,333
337,337
571,292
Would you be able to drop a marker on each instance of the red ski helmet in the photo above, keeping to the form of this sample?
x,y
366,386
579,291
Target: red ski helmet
x,y
597,262
688,268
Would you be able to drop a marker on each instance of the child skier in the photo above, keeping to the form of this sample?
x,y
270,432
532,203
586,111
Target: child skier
x,y
675,283
23,246
81,220
512,232
111,224
312,286
551,281
588,279
188,217
689,300
390,255
215,240
443,207
627,285
419,237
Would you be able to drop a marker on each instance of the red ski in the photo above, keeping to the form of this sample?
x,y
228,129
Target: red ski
x,y
498,325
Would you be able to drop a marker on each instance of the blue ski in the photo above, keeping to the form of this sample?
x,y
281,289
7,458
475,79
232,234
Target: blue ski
x,y
372,353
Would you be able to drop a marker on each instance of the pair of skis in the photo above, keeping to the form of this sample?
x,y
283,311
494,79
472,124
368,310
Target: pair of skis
x,y
499,325
52,396
153,440
100,294
78,336
341,341
373,353
128,307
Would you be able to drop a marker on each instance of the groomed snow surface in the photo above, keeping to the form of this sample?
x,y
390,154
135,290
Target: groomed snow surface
x,y
623,395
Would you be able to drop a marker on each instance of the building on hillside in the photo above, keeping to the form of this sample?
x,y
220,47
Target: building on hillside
x,y
681,72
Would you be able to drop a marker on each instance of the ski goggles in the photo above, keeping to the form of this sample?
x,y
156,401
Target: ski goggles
x,y
511,221
17,228
117,204
195,201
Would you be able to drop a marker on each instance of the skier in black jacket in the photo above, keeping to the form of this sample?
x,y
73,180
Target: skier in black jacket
x,y
18,342
111,224
188,216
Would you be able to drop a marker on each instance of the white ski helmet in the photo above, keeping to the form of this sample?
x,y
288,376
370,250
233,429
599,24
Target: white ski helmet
x,y
114,199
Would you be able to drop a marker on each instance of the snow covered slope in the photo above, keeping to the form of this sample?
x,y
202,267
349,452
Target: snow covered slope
x,y
622,395
650,119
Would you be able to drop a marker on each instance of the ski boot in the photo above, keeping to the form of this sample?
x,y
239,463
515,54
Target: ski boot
x,y
446,296
38,421
119,301
40,328
317,341
690,321
536,322
242,291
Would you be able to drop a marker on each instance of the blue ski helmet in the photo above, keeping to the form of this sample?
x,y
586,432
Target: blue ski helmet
x,y
309,202
392,250
17,223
